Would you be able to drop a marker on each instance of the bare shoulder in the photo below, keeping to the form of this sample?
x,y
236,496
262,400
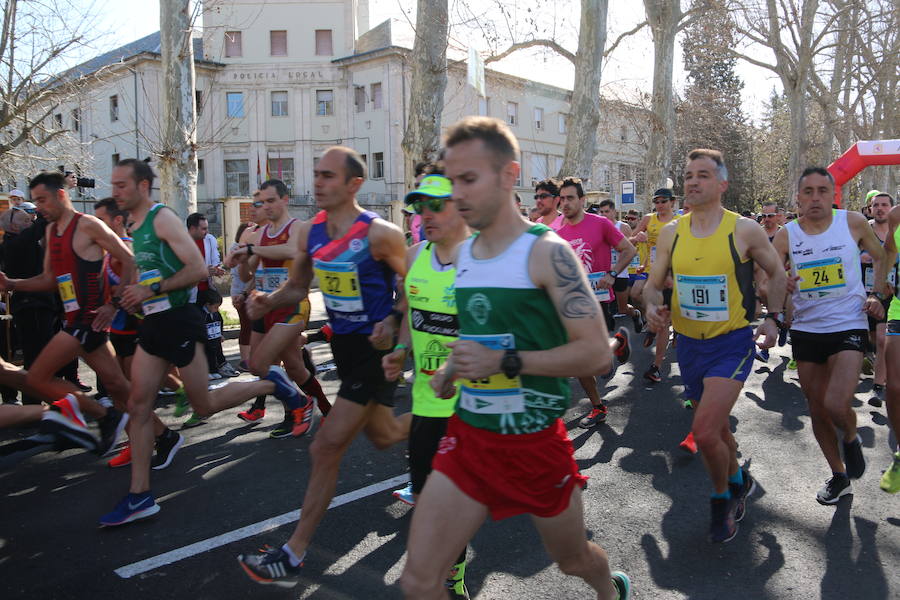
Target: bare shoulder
x,y
383,227
749,230
552,259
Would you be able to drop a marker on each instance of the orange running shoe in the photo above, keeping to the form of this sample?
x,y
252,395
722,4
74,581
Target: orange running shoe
x,y
302,418
688,444
123,458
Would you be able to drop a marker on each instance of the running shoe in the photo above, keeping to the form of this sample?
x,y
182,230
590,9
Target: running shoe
x,y
837,486
285,390
761,354
782,336
226,370
131,508
637,319
302,418
214,376
270,566
623,352
622,584
405,495
595,417
740,493
649,338
167,445
890,481
722,527
253,415
181,402
792,365
854,459
122,459
455,584
877,398
653,375
286,427
194,420
64,420
868,367
243,367
688,444
111,427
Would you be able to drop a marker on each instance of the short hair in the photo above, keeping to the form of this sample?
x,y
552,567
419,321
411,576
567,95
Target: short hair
x,y
771,203
193,219
112,208
210,296
549,185
814,171
280,188
713,155
422,167
890,199
140,170
495,134
574,182
633,212
52,180
608,203
353,162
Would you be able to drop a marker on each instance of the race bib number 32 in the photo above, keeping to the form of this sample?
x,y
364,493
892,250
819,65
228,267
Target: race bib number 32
x,y
497,394
822,278
339,282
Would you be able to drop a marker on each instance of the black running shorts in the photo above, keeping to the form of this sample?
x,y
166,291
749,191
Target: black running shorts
x,y
818,347
89,339
360,371
620,285
425,434
173,334
124,343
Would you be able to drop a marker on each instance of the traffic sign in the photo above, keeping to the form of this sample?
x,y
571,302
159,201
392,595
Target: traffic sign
x,y
627,192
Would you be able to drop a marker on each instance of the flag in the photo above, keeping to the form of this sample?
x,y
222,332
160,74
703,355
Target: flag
x,y
268,175
258,172
475,71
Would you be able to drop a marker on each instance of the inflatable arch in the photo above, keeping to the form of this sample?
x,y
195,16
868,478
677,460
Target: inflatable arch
x,y
858,157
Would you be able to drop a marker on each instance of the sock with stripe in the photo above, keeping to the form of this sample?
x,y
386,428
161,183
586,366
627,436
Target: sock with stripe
x,y
726,495
737,478
294,560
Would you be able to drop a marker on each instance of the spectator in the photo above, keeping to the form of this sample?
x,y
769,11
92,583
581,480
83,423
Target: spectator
x,y
71,180
218,366
198,227
16,197
239,289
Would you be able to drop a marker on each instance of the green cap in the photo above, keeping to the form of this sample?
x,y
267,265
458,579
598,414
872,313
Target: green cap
x,y
435,186
872,194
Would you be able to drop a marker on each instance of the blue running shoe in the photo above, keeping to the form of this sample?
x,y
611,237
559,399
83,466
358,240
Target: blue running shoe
x,y
782,336
405,495
132,507
270,566
622,584
285,390
762,354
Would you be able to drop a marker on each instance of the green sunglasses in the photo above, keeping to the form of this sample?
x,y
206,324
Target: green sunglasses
x,y
432,204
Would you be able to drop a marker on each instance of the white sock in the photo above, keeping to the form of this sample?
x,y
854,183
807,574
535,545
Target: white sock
x,y
105,402
295,562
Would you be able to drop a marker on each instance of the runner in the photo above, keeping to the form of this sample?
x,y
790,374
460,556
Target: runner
x,y
593,238
881,206
711,252
172,332
828,326
522,295
429,289
890,480
648,231
355,255
622,286
546,198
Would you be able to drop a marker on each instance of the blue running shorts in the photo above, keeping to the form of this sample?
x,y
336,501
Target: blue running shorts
x,y
729,355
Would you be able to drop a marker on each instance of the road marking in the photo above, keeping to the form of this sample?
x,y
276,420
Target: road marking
x,y
241,533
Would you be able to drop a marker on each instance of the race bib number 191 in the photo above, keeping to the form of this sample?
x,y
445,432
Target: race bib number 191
x,y
703,298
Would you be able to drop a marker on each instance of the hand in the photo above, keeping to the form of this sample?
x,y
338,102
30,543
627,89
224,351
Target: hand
x,y
606,282
442,380
393,364
769,329
792,283
5,283
658,318
134,294
639,238
473,360
874,308
233,259
257,305
104,317
238,301
383,333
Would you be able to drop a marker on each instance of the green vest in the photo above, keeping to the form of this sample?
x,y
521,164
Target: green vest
x,y
500,307
156,261
432,323
894,308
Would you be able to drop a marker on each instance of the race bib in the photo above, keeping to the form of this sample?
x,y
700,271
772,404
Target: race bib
x,y
339,282
259,279
497,394
213,330
869,277
652,254
822,278
703,298
67,292
634,264
154,304
603,295
272,278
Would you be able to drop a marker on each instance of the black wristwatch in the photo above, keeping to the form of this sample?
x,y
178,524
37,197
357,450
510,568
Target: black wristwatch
x,y
156,288
775,316
249,249
613,273
511,365
881,297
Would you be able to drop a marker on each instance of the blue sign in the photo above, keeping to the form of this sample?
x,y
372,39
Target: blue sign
x,y
627,192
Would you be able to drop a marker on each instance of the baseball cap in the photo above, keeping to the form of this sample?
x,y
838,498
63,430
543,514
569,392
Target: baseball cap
x,y
28,207
662,193
17,192
434,186
872,194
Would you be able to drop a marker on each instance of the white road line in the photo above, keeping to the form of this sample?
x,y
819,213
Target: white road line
x,y
190,550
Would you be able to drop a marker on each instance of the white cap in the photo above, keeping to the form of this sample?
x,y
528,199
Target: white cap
x,y
26,206
17,192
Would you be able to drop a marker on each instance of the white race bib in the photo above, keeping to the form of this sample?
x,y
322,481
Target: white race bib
x,y
703,298
154,304
603,295
497,394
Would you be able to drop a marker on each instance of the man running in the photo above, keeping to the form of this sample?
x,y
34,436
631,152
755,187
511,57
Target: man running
x,y
880,207
829,325
607,208
528,320
890,480
546,203
593,238
770,219
711,252
355,255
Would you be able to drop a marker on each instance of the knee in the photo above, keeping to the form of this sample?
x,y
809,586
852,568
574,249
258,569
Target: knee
x,y
137,410
325,450
257,366
706,436
576,565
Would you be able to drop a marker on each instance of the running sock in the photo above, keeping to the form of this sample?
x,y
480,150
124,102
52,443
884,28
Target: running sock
x,y
726,495
295,561
312,387
103,401
843,474
737,478
259,403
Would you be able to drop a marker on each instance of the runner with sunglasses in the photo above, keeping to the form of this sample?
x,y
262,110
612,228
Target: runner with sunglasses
x,y
546,202
622,286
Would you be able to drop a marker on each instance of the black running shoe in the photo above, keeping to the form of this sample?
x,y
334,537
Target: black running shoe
x,y
722,526
653,375
622,584
854,459
837,486
167,445
877,398
111,427
740,493
637,319
270,567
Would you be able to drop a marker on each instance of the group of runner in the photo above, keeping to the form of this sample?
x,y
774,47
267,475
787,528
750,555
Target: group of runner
x,y
495,323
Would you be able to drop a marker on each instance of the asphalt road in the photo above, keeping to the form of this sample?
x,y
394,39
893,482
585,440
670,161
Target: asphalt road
x,y
646,503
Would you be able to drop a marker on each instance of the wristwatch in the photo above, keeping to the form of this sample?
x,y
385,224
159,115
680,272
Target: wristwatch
x,y
613,273
156,288
881,297
511,365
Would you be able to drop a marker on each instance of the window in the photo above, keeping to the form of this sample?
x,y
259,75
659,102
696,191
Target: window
x,y
278,43
484,106
561,123
57,118
113,108
376,96
283,169
323,42
512,113
324,102
279,104
115,159
76,119
235,103
538,118
539,167
359,98
201,173
233,48
378,166
198,101
237,177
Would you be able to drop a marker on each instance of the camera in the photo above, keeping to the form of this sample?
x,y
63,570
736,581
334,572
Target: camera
x,y
85,182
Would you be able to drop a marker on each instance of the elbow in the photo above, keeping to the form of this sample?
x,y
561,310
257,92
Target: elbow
x,y
597,359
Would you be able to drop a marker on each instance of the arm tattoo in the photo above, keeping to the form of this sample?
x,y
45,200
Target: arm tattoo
x,y
578,301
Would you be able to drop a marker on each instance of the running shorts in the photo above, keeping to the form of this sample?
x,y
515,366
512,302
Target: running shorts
x,y
893,327
425,434
296,314
259,326
124,343
532,473
632,277
729,355
89,339
872,322
621,284
359,369
818,347
173,334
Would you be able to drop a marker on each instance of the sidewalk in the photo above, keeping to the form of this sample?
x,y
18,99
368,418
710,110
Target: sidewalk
x,y
317,317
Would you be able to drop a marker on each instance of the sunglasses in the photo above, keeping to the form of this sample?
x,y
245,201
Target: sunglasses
x,y
769,215
258,203
631,218
432,204
541,196
661,201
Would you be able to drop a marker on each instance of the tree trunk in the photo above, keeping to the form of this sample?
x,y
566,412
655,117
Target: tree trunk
x,y
584,115
421,139
178,155
663,16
